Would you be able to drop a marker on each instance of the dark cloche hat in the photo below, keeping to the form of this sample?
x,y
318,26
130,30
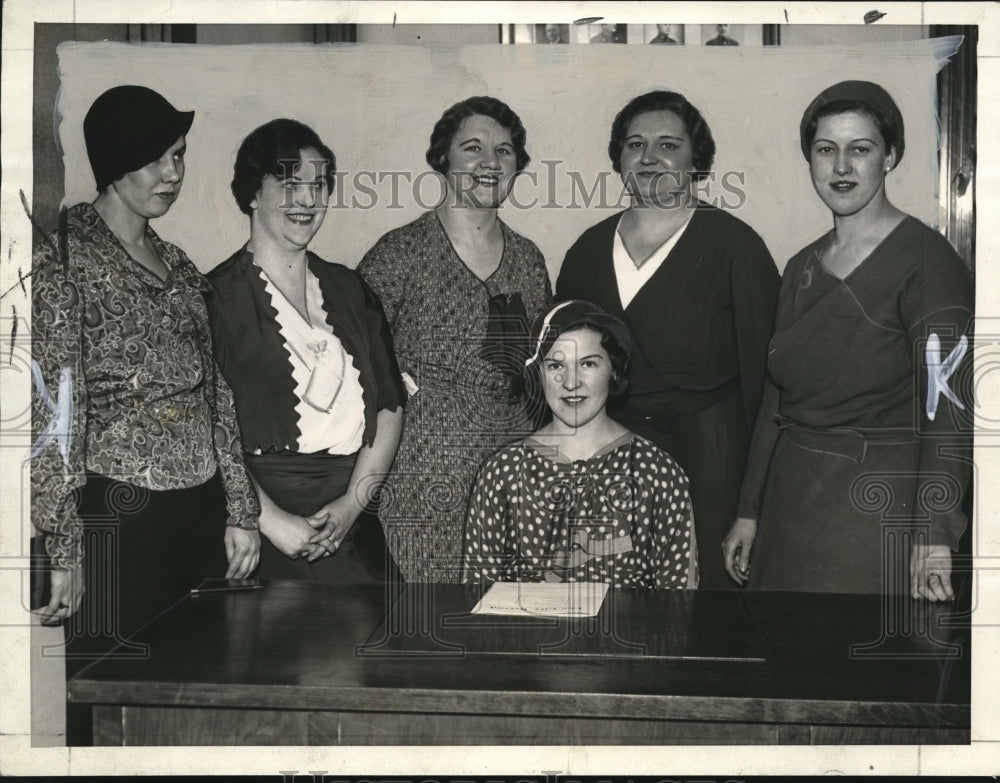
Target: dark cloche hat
x,y
128,127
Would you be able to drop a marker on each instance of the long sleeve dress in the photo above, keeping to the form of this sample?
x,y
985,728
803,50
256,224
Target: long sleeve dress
x,y
308,393
864,437
623,516
699,329
133,426
462,410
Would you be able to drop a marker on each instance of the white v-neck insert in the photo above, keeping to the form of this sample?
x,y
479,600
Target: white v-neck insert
x,y
631,279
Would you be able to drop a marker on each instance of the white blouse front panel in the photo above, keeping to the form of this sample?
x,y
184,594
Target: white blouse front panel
x,y
330,407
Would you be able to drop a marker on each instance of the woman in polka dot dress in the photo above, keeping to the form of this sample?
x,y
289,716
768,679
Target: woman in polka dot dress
x,y
583,499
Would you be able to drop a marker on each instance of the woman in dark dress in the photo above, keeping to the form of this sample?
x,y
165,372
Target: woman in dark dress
x,y
306,349
861,453
137,478
460,289
696,287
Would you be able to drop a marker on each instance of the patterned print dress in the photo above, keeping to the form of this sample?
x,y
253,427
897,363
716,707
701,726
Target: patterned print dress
x,y
129,358
461,411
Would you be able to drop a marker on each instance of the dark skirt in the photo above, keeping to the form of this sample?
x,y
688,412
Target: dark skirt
x,y
837,516
711,446
302,484
143,551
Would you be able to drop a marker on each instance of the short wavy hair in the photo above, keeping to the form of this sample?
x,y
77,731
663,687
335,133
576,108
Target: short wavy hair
x,y
618,354
268,150
446,128
702,143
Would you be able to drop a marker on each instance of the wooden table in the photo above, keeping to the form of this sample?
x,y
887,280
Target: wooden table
x,y
323,664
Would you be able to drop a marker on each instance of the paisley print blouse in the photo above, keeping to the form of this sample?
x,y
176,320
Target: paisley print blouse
x,y
124,380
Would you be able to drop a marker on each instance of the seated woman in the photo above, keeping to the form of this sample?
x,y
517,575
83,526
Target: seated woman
x,y
307,352
583,499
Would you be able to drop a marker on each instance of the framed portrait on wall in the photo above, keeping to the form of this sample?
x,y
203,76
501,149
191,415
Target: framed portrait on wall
x,y
718,34
663,33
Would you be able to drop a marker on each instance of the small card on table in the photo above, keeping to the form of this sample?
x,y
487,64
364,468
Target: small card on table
x,y
544,599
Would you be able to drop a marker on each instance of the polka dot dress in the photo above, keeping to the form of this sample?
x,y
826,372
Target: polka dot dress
x,y
623,516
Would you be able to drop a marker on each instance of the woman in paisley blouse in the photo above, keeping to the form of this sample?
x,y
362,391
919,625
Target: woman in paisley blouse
x,y
460,289
136,449
306,349
583,498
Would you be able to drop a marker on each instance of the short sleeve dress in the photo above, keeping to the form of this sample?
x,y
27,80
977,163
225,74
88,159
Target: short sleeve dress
x,y
863,444
462,409
623,517
307,393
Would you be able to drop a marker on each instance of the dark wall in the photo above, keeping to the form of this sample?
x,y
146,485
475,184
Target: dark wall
x,y
47,181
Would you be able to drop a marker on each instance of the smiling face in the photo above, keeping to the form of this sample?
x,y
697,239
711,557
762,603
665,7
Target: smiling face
x,y
482,162
288,212
657,159
848,162
150,191
576,377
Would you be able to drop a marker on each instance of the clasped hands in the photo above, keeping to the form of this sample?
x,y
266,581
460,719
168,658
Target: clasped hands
x,y
312,537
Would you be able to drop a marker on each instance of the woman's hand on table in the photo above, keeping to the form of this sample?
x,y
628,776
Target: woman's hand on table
x,y
67,592
930,572
736,547
332,522
242,550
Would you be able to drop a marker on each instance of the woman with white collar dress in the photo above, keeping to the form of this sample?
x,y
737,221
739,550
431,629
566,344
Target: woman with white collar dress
x,y
307,351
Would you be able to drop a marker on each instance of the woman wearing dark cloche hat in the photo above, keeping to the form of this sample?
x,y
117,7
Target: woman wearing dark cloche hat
x,y
138,454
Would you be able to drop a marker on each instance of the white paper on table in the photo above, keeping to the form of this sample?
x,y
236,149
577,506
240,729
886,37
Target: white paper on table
x,y
547,599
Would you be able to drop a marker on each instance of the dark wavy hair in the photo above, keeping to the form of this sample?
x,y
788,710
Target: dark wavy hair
x,y
702,143
617,353
891,127
446,128
274,148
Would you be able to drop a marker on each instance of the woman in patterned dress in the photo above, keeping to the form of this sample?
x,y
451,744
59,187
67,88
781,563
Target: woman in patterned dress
x,y
583,498
861,453
305,347
459,288
136,449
